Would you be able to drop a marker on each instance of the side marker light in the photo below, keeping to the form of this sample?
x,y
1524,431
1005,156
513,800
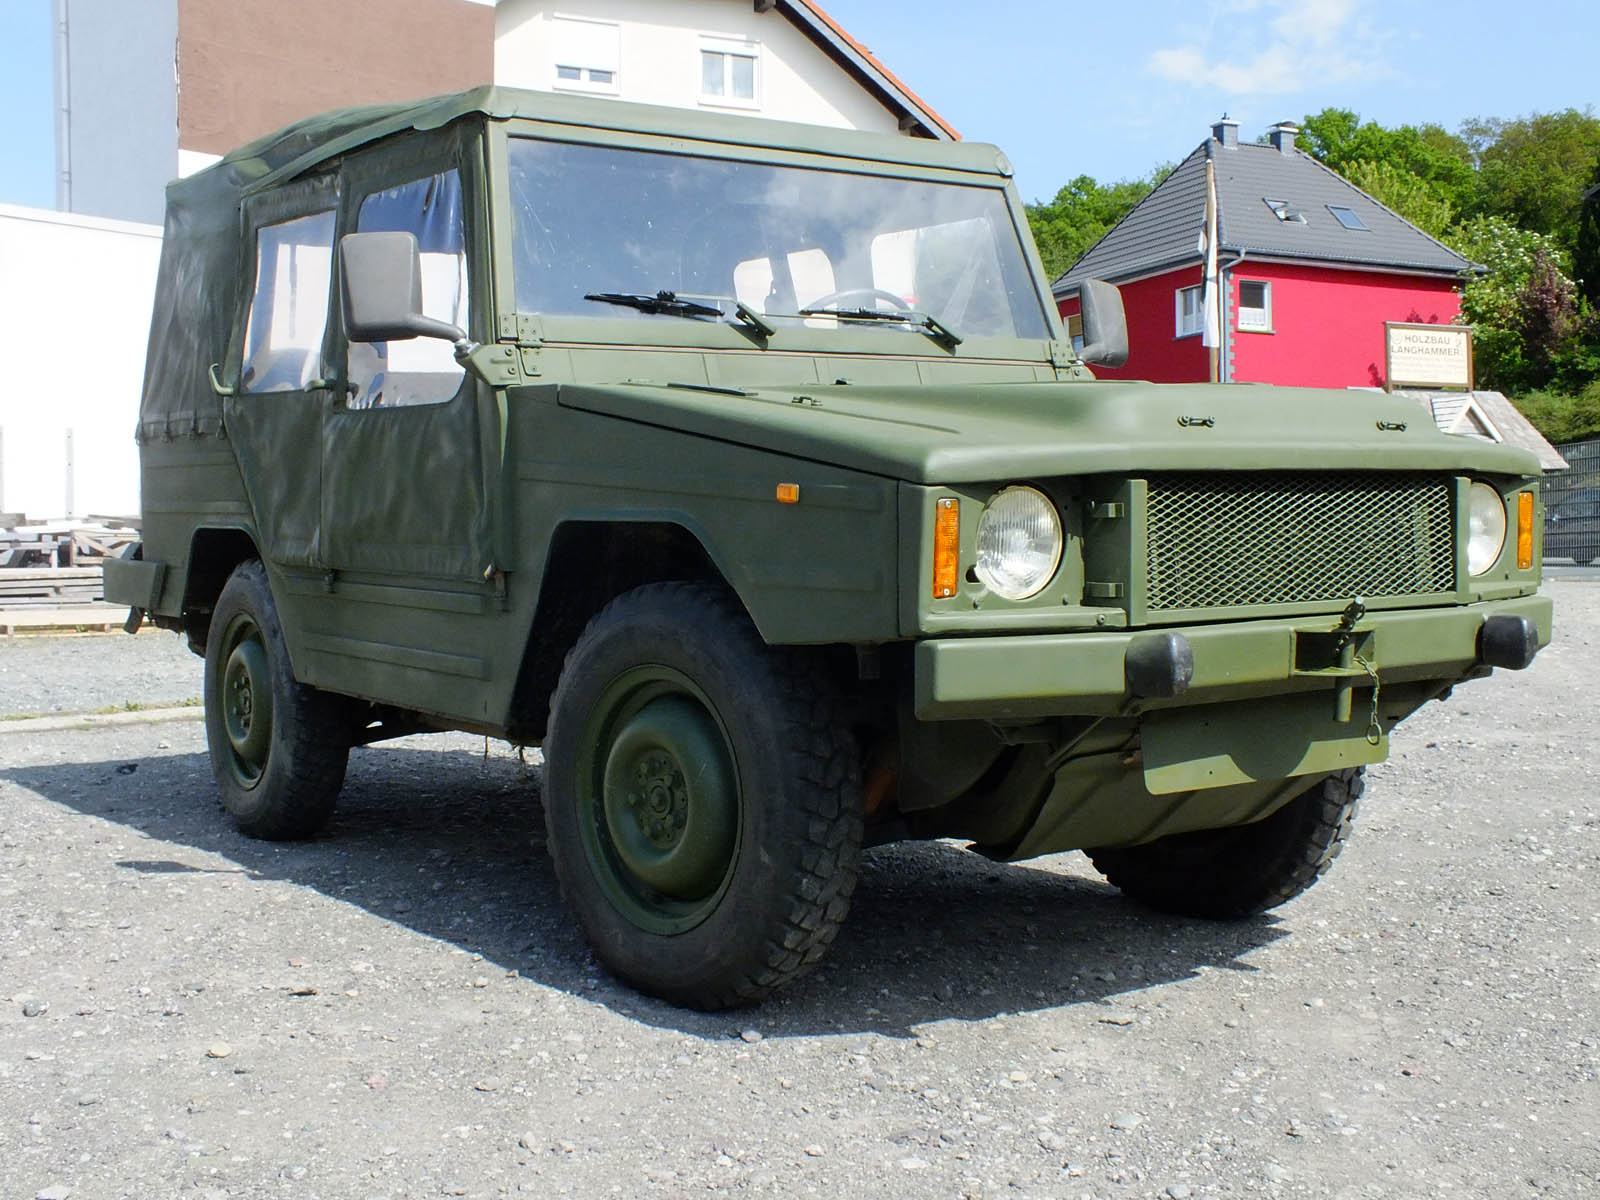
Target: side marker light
x,y
946,547
1524,530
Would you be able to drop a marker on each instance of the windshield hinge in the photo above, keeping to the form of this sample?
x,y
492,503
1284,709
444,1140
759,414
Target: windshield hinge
x,y
497,365
522,328
1062,354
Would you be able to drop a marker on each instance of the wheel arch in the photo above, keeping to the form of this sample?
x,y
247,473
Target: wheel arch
x,y
587,564
215,552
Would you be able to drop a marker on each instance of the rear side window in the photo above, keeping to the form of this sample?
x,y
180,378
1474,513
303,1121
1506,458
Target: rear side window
x,y
289,308
417,370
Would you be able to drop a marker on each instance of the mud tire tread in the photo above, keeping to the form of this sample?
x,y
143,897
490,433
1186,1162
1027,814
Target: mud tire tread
x,y
821,860
311,728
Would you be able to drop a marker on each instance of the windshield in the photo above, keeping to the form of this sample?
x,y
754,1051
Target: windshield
x,y
595,220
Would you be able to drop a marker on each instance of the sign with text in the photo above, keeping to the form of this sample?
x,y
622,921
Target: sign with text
x,y
1427,356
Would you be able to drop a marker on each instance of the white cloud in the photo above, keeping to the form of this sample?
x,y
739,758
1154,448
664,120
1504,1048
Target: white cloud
x,y
1274,46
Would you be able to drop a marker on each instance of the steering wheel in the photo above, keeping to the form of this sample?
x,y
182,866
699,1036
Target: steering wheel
x,y
866,293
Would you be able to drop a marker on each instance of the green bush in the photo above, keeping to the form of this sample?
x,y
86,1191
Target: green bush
x,y
1562,416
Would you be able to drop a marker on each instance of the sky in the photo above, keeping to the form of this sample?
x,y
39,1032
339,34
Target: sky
x,y
1108,90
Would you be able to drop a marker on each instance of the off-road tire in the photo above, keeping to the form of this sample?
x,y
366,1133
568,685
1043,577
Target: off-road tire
x,y
280,782
1225,874
672,656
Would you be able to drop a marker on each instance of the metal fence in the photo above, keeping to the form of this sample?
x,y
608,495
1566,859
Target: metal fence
x,y
1572,505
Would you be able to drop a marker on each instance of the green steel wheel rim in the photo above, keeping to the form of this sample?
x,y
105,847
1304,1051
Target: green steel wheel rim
x,y
246,701
659,805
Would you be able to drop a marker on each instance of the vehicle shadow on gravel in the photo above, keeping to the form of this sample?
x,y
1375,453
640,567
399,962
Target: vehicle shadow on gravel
x,y
451,844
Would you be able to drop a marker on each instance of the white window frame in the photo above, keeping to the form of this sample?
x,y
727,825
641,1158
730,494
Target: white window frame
x,y
728,48
1248,319
1195,324
594,61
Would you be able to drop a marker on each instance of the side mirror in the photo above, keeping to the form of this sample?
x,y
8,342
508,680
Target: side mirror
x,y
1105,325
380,290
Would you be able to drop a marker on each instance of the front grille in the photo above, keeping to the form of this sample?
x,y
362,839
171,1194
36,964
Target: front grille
x,y
1219,541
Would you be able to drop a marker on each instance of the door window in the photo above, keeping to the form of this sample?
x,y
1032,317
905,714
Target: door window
x,y
289,308
417,370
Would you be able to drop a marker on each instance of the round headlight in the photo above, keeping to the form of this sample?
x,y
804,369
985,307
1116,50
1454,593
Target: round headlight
x,y
1018,543
1486,527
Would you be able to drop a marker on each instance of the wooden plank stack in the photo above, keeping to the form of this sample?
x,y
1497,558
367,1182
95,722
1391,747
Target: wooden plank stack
x,y
49,587
25,544
50,571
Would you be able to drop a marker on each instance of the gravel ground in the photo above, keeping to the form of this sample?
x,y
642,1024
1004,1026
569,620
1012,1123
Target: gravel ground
x,y
87,672
401,1008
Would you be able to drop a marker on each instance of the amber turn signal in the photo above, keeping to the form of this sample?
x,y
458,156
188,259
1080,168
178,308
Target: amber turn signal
x,y
946,547
1524,530
788,493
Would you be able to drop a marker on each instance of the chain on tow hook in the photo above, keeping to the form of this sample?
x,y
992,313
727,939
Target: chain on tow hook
x,y
1374,730
1348,619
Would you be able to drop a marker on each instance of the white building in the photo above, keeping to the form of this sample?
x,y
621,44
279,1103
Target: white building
x,y
775,58
75,297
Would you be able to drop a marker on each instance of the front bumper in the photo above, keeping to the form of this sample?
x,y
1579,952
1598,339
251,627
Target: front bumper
x,y
1072,674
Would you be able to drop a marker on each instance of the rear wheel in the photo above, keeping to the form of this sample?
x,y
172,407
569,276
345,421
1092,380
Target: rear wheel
x,y
703,801
278,748
1247,869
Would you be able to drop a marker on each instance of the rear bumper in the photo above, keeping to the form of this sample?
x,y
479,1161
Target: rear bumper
x,y
134,581
1067,674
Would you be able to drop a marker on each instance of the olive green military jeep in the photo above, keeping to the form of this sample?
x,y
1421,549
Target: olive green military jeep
x,y
746,469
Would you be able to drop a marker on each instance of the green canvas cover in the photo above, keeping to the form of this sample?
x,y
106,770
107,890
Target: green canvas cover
x,y
203,261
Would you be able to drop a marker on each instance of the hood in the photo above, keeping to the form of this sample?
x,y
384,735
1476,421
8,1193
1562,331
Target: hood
x,y
974,433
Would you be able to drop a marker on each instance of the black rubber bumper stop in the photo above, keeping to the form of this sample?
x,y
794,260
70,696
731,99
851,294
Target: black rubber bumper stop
x,y
1508,641
1158,665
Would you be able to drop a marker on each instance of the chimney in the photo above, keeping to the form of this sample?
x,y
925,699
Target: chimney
x,y
1281,136
1226,132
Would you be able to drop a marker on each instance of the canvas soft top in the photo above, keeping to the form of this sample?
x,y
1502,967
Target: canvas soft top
x,y
202,256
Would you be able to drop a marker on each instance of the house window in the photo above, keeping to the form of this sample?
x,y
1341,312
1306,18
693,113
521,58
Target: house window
x,y
728,72
1255,305
1189,311
1284,211
1347,216
1075,332
586,54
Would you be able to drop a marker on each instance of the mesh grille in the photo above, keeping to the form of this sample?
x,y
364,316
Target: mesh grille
x,y
1222,541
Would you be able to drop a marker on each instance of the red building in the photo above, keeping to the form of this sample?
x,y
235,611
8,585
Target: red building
x,y
1309,268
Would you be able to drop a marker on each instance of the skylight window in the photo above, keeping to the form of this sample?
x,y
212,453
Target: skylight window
x,y
1284,211
1347,216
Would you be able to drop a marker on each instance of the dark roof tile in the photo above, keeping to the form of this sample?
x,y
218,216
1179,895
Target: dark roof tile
x,y
1163,229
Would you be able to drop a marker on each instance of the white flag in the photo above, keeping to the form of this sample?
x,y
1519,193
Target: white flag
x,y
1210,306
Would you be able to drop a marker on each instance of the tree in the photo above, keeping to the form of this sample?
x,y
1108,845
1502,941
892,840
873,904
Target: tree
x,y
1586,253
1436,158
1082,213
1534,169
1523,308
1410,196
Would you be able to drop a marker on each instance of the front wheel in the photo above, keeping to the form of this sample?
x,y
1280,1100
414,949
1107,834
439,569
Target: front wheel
x,y
702,799
1246,869
278,748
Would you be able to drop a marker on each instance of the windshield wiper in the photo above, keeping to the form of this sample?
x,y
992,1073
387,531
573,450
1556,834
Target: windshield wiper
x,y
927,322
664,303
